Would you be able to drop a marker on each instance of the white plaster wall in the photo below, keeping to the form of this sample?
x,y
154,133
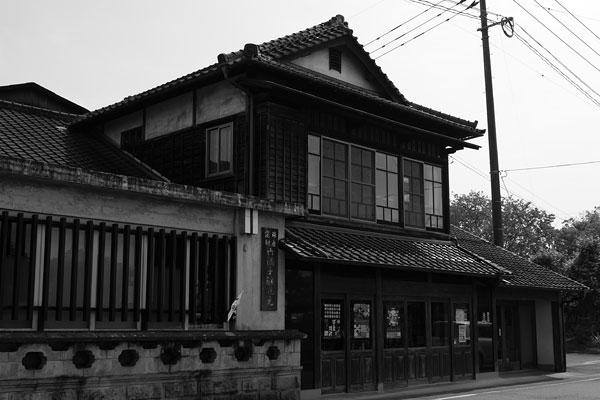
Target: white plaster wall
x,y
353,71
113,129
169,115
113,206
219,100
249,315
543,321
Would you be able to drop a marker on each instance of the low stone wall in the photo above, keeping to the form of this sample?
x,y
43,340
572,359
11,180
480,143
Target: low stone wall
x,y
150,365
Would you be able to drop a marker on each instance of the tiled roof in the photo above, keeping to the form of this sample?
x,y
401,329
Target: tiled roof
x,y
274,54
525,273
354,247
37,134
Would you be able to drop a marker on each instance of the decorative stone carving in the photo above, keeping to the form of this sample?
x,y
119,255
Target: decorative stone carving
x,y
273,353
170,355
34,360
83,359
128,358
208,355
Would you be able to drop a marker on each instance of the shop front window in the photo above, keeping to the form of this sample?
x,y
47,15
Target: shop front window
x,y
439,324
393,314
462,324
332,313
416,324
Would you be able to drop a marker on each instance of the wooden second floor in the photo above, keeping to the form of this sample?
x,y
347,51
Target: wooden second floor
x,y
322,127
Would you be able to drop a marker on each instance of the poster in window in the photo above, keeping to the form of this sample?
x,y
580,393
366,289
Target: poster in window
x,y
362,320
269,270
332,321
462,334
393,329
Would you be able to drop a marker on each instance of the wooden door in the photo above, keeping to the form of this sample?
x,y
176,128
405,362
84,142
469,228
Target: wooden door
x,y
361,350
509,357
333,345
394,344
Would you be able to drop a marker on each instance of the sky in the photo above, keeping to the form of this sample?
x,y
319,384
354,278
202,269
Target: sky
x,y
95,53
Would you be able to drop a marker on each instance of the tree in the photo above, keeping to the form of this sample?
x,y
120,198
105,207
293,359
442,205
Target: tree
x,y
528,231
576,232
583,313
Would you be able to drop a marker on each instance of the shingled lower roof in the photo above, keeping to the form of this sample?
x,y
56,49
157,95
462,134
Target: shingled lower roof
x,y
345,246
525,273
37,134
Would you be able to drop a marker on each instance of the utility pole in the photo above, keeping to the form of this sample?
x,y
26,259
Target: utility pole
x,y
491,124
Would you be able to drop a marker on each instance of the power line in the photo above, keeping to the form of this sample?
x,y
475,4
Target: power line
x,y
577,19
551,166
567,28
403,23
413,29
555,68
428,30
480,173
558,37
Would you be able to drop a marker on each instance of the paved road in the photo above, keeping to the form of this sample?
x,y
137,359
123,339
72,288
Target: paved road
x,y
580,382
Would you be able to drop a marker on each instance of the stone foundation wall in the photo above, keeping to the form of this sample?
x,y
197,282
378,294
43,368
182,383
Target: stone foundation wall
x,y
248,366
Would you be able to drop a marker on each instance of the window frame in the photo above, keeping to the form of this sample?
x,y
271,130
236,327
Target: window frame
x,y
423,195
207,135
349,179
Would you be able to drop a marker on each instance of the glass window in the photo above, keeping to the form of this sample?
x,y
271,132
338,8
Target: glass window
x,y
393,314
423,195
387,188
413,194
440,333
335,178
361,325
363,184
351,181
219,144
332,313
314,173
462,324
416,323
434,213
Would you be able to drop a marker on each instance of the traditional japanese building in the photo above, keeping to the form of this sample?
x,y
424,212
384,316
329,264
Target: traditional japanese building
x,y
291,179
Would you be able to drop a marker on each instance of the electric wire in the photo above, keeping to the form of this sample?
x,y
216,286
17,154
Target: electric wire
x,y
551,166
563,214
402,24
423,33
406,33
555,68
558,37
577,19
567,28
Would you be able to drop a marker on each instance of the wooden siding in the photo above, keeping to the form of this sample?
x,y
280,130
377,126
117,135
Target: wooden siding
x,y
282,158
181,157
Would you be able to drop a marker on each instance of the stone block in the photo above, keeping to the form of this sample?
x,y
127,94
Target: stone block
x,y
247,396
103,393
56,395
148,391
287,382
268,395
211,387
181,389
290,395
9,369
256,384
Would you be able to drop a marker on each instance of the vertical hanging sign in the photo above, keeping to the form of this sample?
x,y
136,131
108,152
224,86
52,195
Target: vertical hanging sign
x,y
268,275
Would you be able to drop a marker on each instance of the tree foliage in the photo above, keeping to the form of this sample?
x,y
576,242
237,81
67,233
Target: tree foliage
x,y
528,230
583,312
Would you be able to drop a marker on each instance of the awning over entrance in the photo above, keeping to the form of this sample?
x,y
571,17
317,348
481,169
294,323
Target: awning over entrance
x,y
345,246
